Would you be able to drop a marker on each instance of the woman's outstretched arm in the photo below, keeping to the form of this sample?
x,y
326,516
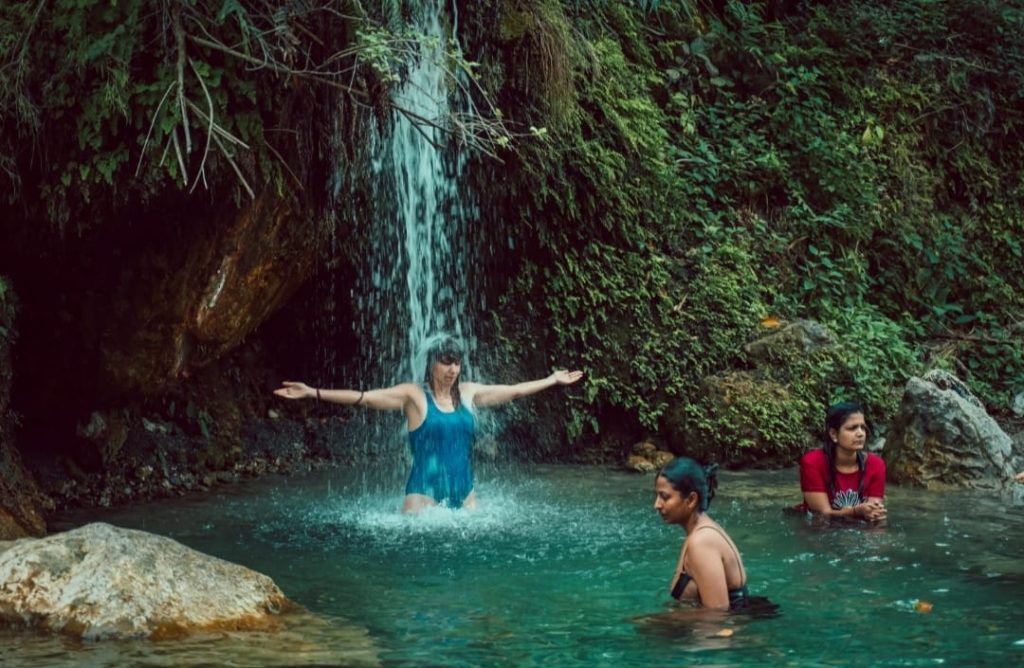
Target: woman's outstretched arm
x,y
492,395
386,399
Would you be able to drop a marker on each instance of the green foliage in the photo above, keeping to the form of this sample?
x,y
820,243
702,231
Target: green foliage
x,y
94,69
105,103
870,361
772,412
854,164
741,419
991,359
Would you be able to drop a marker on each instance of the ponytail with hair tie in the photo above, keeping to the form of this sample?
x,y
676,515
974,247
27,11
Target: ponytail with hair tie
x,y
687,475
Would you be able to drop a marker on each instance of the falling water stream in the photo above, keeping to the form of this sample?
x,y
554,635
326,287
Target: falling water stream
x,y
416,284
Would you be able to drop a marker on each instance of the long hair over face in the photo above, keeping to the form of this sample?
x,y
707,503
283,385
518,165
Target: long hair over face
x,y
686,475
446,350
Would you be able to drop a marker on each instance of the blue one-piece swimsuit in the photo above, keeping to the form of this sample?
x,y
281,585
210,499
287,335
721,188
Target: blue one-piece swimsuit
x,y
441,455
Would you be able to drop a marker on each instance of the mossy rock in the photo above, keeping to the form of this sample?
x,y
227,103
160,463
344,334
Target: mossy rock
x,y
742,419
799,338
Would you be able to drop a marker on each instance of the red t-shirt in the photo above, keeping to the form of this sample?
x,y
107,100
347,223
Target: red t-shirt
x,y
814,478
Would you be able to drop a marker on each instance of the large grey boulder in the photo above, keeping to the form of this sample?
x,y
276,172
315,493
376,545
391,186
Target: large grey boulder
x,y
943,437
101,581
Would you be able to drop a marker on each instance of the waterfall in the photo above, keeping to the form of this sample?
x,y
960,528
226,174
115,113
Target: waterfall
x,y
415,281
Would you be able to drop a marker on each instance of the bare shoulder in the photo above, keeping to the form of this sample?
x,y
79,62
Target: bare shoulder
x,y
715,537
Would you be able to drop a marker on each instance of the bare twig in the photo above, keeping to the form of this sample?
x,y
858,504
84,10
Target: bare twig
x,y
152,123
285,163
238,172
179,41
209,127
181,160
218,129
167,147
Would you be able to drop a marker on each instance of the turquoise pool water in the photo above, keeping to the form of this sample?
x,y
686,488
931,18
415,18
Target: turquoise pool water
x,y
569,566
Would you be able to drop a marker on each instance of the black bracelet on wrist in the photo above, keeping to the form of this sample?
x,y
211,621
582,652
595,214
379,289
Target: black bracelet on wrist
x,y
318,394
360,399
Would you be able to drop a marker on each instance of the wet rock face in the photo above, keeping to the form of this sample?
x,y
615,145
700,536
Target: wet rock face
x,y
103,582
207,297
20,498
942,437
138,305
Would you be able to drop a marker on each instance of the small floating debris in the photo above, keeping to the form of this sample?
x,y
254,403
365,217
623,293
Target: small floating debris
x,y
923,607
725,633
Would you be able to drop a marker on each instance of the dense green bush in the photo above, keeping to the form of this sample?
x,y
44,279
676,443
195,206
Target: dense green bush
x,y
741,418
850,163
104,104
677,172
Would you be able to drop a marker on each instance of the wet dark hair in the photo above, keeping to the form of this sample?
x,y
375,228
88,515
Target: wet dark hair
x,y
837,414
446,350
835,417
686,475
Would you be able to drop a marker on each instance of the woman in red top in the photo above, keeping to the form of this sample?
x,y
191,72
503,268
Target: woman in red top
x,y
840,479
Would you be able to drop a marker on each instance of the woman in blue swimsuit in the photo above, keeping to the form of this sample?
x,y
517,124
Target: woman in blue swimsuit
x,y
441,422
710,570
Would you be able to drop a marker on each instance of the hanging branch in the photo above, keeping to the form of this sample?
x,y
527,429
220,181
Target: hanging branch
x,y
483,140
234,166
217,129
179,41
209,127
181,159
270,41
215,133
152,123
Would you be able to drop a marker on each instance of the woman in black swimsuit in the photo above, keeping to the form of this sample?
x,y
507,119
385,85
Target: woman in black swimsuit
x,y
710,569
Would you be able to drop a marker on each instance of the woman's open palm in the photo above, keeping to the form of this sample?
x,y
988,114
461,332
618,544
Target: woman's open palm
x,y
563,377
